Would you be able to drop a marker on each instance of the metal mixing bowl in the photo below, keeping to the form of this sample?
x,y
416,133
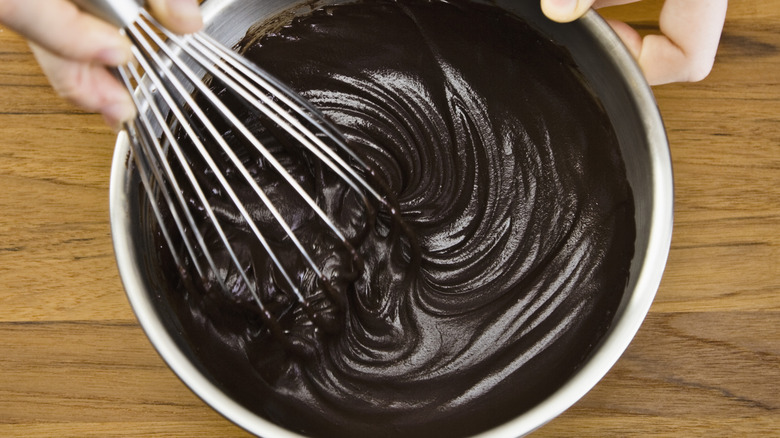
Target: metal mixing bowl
x,y
628,100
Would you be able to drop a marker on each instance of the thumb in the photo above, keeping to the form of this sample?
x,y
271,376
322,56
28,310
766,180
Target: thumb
x,y
564,11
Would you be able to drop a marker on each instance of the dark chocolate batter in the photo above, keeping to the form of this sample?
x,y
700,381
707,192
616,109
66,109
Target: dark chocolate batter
x,y
506,169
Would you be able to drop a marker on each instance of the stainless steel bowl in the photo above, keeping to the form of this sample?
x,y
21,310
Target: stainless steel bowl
x,y
617,81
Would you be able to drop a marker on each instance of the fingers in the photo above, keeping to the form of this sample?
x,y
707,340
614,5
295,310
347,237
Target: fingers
x,y
87,85
180,16
61,28
74,47
686,51
630,37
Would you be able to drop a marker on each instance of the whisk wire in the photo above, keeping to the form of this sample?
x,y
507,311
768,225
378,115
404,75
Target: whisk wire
x,y
173,134
197,47
152,159
236,161
144,169
306,111
158,160
161,161
302,108
161,86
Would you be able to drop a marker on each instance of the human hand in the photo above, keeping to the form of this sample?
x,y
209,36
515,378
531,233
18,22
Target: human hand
x,y
74,48
683,53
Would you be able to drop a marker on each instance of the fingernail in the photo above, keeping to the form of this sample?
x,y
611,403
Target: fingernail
x,y
560,10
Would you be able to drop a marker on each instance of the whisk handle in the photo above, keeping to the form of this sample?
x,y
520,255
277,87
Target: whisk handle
x,y
120,13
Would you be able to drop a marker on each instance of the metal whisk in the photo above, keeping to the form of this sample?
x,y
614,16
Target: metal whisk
x,y
168,70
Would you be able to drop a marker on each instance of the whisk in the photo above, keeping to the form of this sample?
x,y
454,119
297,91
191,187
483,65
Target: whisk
x,y
165,74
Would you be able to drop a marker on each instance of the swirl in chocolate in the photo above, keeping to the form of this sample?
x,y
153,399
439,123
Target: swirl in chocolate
x,y
508,172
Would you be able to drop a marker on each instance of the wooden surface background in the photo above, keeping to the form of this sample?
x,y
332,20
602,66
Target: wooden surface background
x,y
74,362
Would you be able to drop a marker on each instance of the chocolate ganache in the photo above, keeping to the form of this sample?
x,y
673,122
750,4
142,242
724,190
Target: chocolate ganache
x,y
506,170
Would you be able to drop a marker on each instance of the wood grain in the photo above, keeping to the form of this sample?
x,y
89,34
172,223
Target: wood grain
x,y
74,363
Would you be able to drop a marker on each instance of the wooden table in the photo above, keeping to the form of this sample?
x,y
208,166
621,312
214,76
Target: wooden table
x,y
74,362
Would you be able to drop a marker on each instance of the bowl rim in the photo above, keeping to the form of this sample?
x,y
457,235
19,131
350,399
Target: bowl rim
x,y
613,344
